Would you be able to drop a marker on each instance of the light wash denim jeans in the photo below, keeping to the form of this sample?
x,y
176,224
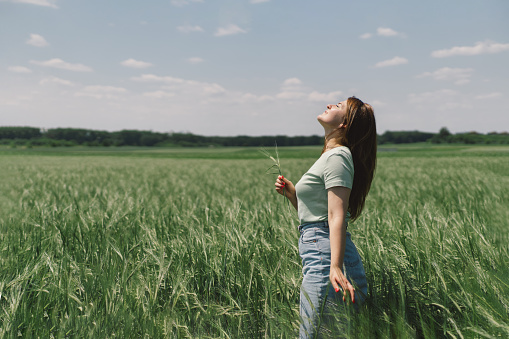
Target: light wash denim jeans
x,y
322,310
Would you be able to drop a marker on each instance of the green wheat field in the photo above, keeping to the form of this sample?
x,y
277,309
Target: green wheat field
x,y
195,243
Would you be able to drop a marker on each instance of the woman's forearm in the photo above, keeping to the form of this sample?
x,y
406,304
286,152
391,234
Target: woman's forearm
x,y
286,188
338,209
337,228
294,202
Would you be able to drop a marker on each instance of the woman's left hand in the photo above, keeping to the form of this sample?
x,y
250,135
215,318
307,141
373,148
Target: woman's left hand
x,y
338,280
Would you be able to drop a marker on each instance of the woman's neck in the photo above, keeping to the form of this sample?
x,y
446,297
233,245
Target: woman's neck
x,y
331,144
331,140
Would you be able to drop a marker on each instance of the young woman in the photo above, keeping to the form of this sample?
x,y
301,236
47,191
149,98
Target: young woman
x,y
327,197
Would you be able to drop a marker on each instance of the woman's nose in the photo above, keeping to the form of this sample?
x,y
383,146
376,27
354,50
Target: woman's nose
x,y
329,106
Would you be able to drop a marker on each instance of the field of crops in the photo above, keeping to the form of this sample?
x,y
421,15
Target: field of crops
x,y
196,243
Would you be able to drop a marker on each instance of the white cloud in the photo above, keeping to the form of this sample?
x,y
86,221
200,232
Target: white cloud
x,y
378,103
135,63
17,100
292,82
392,62
59,63
55,80
104,89
385,31
291,95
212,88
101,92
159,94
432,96
258,1
440,100
459,76
195,60
157,78
182,3
229,30
331,97
37,40
45,3
294,89
190,92
189,28
249,97
182,85
19,69
488,96
481,47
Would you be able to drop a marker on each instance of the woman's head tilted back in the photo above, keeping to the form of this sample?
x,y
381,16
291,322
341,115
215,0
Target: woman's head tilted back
x,y
359,136
360,129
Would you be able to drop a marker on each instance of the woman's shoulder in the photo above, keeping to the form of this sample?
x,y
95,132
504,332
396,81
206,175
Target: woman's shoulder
x,y
341,151
339,156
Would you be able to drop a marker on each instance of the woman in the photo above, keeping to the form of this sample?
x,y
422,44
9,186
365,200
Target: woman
x,y
326,198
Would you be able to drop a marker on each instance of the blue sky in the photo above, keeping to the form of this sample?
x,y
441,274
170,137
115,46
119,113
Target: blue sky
x,y
231,67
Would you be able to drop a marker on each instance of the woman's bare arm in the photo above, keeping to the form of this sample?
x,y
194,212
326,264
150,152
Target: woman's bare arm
x,y
337,208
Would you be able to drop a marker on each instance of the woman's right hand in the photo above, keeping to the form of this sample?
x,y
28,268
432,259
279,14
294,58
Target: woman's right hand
x,y
285,187
339,281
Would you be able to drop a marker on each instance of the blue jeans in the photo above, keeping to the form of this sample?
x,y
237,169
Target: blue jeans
x,y
322,309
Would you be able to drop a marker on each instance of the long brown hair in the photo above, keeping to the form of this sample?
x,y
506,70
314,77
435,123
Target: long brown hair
x,y
360,137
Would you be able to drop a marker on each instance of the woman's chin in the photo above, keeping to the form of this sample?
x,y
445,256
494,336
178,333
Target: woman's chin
x,y
321,121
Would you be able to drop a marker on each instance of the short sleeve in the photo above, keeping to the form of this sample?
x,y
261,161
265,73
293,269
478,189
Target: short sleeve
x,y
339,170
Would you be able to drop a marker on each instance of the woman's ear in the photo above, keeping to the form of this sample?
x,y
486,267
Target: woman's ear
x,y
342,125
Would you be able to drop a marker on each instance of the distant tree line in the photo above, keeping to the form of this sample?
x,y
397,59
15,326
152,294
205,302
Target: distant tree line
x,y
443,137
31,136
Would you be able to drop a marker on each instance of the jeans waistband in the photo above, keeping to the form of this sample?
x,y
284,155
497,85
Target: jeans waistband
x,y
313,224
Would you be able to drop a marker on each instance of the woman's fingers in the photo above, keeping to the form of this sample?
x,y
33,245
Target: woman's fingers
x,y
352,292
336,281
335,285
349,289
280,184
344,285
279,187
285,187
281,180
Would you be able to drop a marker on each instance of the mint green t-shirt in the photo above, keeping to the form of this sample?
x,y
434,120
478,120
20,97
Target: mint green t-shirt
x,y
333,168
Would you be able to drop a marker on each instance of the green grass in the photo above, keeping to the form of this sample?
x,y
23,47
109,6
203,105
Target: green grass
x,y
163,152
196,243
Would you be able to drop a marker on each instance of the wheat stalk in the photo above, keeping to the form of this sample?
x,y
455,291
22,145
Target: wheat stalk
x,y
276,165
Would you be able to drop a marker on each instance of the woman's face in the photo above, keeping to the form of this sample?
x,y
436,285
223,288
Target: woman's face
x,y
333,116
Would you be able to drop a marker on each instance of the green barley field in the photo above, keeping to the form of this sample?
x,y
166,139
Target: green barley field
x,y
195,243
